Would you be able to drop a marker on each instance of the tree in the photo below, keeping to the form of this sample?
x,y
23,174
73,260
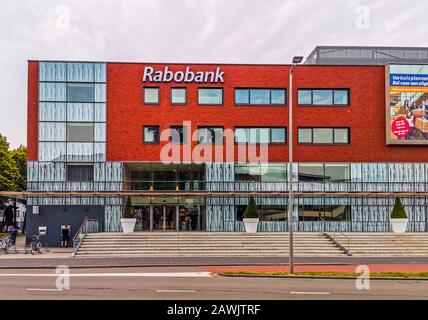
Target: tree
x,y
398,212
128,209
20,157
251,211
10,177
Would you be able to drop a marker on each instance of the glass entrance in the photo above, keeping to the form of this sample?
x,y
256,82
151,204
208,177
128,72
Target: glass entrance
x,y
168,218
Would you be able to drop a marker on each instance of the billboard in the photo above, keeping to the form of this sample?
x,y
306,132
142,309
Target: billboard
x,y
406,104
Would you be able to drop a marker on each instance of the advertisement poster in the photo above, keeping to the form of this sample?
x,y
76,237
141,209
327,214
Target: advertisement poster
x,y
407,104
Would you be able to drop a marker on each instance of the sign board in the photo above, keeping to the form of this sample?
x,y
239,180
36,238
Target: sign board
x,y
406,104
150,74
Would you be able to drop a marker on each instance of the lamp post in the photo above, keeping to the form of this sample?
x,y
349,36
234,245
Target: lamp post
x,y
296,60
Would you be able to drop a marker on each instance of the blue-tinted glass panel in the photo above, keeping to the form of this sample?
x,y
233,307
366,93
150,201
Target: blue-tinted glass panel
x,y
210,96
341,97
323,97
260,96
277,135
242,96
304,97
277,96
80,92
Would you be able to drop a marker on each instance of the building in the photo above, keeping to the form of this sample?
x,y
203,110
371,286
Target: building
x,y
102,128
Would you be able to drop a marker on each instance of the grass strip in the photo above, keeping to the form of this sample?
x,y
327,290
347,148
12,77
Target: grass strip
x,y
406,275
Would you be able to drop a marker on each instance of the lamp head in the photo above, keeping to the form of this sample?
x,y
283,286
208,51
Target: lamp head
x,y
297,59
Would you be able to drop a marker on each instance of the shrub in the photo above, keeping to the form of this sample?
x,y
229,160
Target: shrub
x,y
251,211
398,212
128,214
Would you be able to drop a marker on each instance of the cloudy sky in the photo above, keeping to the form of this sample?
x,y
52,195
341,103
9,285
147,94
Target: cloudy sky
x,y
240,31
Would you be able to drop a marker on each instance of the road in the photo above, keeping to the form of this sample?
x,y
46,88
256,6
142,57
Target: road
x,y
182,283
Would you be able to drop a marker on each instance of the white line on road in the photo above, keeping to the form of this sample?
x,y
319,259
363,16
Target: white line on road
x,y
42,289
130,274
175,291
309,292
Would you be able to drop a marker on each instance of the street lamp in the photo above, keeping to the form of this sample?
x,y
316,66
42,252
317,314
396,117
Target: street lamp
x,y
296,60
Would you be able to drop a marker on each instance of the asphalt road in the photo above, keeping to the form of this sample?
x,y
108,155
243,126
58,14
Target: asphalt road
x,y
182,283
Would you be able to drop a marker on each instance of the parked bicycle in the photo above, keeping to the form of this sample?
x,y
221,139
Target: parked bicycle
x,y
35,245
7,245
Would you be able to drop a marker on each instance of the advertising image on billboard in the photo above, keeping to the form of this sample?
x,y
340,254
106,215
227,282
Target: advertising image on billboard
x,y
407,104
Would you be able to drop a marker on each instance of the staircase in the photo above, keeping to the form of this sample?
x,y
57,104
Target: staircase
x,y
205,244
385,244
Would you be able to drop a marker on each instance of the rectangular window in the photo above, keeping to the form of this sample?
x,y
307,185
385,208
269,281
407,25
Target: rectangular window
x,y
210,135
151,95
259,96
210,96
178,135
151,134
80,172
80,92
178,95
260,135
323,135
80,132
323,97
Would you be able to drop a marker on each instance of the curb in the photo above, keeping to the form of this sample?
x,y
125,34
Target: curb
x,y
314,277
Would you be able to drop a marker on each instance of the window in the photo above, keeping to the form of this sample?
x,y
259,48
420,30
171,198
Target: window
x,y
178,134
323,135
260,135
260,96
210,135
151,134
274,172
247,172
210,96
178,96
324,172
80,132
277,135
323,97
80,92
80,172
151,95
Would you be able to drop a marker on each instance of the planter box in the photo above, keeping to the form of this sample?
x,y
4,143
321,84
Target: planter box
x,y
128,224
251,224
399,225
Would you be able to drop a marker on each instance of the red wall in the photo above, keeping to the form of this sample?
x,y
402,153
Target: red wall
x,y
126,114
32,110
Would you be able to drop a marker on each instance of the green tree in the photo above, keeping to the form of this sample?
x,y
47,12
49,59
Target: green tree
x,y
128,209
20,157
10,177
398,212
251,211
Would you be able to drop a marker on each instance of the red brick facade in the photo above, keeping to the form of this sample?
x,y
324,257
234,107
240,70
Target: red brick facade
x,y
126,113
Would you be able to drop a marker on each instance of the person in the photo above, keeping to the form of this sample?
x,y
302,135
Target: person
x,y
410,120
65,234
14,233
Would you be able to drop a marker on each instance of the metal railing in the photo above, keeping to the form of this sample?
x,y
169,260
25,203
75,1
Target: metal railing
x,y
252,186
88,226
333,238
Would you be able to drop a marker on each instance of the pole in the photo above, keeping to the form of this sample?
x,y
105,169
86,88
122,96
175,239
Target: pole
x,y
290,172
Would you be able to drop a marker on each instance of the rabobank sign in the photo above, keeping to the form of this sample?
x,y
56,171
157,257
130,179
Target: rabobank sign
x,y
188,75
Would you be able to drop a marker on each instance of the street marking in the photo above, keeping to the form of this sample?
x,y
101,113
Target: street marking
x,y
175,290
42,289
309,292
130,274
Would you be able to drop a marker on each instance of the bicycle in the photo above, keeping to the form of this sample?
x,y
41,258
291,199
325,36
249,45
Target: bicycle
x,y
7,245
35,245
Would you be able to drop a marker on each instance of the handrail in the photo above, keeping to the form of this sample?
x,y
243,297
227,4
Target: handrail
x,y
333,238
88,226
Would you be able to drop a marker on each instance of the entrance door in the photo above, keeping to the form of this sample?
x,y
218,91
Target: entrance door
x,y
164,218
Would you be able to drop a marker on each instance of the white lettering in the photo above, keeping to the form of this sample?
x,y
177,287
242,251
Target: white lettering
x,y
166,75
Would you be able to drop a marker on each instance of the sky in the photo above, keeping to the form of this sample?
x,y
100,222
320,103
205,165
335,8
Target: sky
x,y
216,31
